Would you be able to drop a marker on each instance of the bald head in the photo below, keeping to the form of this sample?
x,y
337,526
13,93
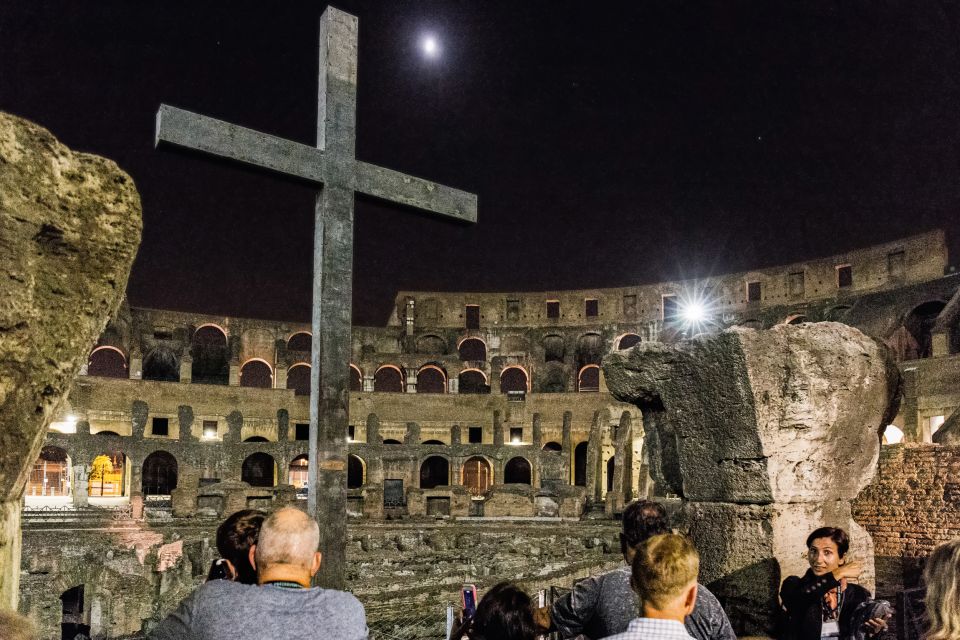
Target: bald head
x,y
288,537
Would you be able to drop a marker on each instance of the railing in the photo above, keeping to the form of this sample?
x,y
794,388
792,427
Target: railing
x,y
61,514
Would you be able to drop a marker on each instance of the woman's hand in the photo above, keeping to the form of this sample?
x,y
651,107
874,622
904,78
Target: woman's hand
x,y
875,626
849,570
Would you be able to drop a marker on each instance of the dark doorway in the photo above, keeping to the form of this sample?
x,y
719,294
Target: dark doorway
x,y
388,380
71,614
434,471
159,474
517,471
209,352
259,470
473,349
107,362
580,465
611,467
354,472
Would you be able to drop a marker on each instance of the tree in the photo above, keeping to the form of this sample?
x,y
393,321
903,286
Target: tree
x,y
102,465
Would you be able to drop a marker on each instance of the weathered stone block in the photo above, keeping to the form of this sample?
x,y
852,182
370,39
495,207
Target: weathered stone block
x,y
69,230
510,500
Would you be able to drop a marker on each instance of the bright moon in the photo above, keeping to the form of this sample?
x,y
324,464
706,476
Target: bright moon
x,y
430,46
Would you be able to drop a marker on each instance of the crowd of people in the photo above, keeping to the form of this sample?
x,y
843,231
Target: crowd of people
x,y
260,587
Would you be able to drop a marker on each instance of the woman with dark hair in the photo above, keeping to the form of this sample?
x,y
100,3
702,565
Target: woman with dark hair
x,y
505,613
235,536
821,603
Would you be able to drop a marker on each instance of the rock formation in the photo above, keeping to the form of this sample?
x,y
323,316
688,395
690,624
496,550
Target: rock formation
x,y
766,435
69,230
949,431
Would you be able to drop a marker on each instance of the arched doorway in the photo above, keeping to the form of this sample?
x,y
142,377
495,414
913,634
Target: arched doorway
x,y
298,379
301,341
628,340
297,471
580,465
107,477
473,349
517,471
611,467
388,379
256,373
477,475
431,379
107,362
513,379
72,622
355,472
434,471
589,379
473,381
259,470
356,378
208,348
159,474
51,474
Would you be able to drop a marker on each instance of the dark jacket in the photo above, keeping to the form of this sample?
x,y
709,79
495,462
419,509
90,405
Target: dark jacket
x,y
801,597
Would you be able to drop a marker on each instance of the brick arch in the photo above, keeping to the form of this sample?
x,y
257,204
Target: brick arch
x,y
514,378
627,341
256,372
107,361
434,471
356,378
159,473
300,341
298,379
473,381
588,379
431,379
472,349
384,380
210,352
518,470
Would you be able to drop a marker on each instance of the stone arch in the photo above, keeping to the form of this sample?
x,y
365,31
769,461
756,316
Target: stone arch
x,y
297,474
472,349
298,379
256,373
627,341
388,379
473,381
51,474
552,447
108,475
431,344
72,616
892,435
919,321
161,365
477,475
434,442
259,470
589,349
514,378
258,343
255,439
431,379
554,348
434,472
300,341
159,475
580,464
210,354
588,380
795,318
356,472
517,471
356,378
391,441
108,362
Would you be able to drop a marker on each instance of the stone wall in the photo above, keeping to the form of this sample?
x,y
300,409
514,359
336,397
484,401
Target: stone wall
x,y
912,506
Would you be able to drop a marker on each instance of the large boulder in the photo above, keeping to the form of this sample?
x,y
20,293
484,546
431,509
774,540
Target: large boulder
x,y
766,435
949,431
70,226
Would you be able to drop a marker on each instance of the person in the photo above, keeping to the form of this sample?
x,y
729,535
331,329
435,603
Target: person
x,y
235,536
14,626
504,613
823,603
942,577
604,605
664,575
283,607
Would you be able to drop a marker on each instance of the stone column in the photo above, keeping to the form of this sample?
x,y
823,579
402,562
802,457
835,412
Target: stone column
x,y
750,429
622,467
453,384
412,436
567,445
136,364
595,460
234,380
186,369
280,376
537,432
80,488
373,429
455,437
411,386
367,384
498,436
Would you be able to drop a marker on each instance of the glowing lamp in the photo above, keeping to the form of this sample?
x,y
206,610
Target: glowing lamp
x,y
430,46
693,312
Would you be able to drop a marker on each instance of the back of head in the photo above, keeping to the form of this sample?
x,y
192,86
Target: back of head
x,y
942,575
235,536
14,626
288,537
642,519
505,613
663,567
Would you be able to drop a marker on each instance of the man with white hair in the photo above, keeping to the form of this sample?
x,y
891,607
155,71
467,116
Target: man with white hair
x,y
283,607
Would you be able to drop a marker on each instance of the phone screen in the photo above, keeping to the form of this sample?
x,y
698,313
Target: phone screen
x,y
469,600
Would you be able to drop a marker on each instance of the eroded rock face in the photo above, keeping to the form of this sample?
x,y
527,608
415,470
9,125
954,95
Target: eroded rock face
x,y
767,435
70,226
949,431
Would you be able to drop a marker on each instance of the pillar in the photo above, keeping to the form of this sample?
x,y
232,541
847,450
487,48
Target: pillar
x,y
136,365
537,432
234,373
567,445
280,377
367,384
595,460
373,429
412,436
186,369
497,429
455,435
411,382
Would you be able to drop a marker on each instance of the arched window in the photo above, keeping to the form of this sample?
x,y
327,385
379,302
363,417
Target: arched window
x,y
628,340
434,442
256,373
297,471
388,379
473,381
355,472
434,471
580,465
892,435
473,349
107,362
51,473
159,474
301,341
107,477
391,441
611,466
208,348
919,322
256,439
589,349
553,447
298,379
430,379
513,379
517,471
477,475
356,378
161,365
589,378
259,470
796,318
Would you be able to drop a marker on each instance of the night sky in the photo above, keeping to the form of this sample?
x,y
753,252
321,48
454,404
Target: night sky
x,y
609,144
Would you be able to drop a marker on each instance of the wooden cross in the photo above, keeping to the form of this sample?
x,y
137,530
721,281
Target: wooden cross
x,y
333,165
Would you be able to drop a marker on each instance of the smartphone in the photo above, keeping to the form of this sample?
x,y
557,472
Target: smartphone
x,y
469,596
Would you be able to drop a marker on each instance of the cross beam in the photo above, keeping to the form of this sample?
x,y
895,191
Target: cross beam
x,y
331,164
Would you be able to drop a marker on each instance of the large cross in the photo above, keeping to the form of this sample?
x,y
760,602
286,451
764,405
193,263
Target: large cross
x,y
333,165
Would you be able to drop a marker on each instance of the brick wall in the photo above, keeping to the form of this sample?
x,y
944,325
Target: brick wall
x,y
912,506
